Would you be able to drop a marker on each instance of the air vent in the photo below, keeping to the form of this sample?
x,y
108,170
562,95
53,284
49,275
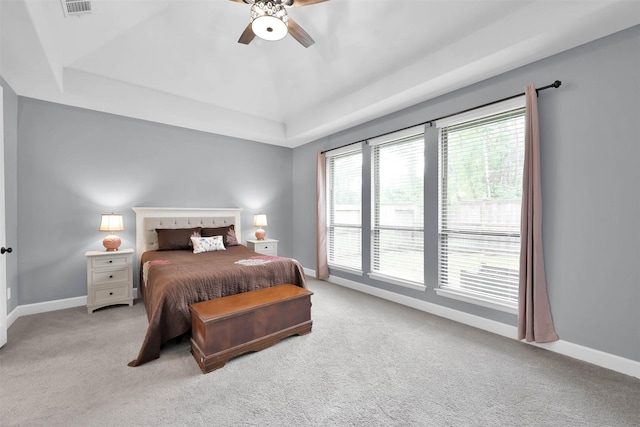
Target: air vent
x,y
75,7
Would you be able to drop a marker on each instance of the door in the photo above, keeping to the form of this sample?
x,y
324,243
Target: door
x,y
3,259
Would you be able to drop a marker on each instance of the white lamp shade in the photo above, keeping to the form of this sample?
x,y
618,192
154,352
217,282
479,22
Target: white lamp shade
x,y
112,222
260,220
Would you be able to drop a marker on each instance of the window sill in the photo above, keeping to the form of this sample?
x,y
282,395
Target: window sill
x,y
399,282
475,299
346,270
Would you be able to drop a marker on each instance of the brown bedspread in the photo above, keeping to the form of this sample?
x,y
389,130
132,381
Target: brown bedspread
x,y
176,279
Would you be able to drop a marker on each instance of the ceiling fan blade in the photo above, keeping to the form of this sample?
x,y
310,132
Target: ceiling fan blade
x,y
299,34
300,3
247,35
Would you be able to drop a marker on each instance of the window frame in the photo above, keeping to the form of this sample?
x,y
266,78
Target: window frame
x,y
460,294
400,136
331,225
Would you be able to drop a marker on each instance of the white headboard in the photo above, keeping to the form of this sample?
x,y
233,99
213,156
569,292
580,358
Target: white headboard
x,y
148,219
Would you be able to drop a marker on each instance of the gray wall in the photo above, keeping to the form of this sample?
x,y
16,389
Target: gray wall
x,y
74,164
10,104
590,148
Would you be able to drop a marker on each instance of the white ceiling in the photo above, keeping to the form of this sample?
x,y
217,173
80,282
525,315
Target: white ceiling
x,y
178,61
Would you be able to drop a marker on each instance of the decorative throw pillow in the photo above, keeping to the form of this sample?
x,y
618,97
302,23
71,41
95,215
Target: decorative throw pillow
x,y
170,239
228,233
207,244
230,239
215,231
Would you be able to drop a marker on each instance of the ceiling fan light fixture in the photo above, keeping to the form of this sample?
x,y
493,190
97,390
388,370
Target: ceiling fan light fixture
x,y
269,20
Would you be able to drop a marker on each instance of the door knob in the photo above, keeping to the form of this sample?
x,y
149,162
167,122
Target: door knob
x,y
3,250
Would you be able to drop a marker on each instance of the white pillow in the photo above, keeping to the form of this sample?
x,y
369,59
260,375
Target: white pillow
x,y
207,244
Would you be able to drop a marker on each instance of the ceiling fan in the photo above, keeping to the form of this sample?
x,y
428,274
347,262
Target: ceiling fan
x,y
270,21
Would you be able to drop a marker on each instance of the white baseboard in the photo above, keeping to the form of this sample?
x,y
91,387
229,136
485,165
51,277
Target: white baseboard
x,y
43,307
585,354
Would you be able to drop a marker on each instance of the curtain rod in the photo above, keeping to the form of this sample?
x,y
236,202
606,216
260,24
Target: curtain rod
x,y
554,85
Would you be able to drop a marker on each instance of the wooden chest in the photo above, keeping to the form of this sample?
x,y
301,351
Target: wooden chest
x,y
226,327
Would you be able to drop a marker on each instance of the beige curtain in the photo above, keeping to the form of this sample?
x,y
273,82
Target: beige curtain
x,y
534,313
322,268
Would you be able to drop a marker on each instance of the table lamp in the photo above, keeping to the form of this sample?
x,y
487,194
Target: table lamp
x,y
112,223
260,220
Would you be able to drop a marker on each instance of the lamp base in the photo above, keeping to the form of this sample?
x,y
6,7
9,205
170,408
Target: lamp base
x,y
260,234
111,242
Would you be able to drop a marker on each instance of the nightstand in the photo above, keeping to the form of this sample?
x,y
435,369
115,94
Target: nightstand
x,y
109,278
264,247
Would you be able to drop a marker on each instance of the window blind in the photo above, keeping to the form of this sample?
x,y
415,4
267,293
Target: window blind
x,y
398,203
344,216
481,163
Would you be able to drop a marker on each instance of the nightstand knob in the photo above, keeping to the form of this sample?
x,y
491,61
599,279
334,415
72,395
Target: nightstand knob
x,y
111,277
110,293
110,261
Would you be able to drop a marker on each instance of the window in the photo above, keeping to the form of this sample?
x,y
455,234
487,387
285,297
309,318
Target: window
x,y
480,192
397,238
344,216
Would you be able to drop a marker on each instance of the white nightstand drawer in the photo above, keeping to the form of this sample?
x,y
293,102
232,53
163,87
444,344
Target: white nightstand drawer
x,y
120,275
115,261
102,295
264,247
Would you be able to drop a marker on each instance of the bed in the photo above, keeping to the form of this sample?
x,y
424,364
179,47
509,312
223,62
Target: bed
x,y
174,278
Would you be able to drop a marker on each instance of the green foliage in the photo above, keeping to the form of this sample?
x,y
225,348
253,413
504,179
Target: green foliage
x,y
485,161
402,173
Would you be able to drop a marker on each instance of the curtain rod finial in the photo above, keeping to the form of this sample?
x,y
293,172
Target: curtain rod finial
x,y
557,84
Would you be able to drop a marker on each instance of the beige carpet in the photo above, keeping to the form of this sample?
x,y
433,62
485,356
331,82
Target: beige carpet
x,y
368,362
